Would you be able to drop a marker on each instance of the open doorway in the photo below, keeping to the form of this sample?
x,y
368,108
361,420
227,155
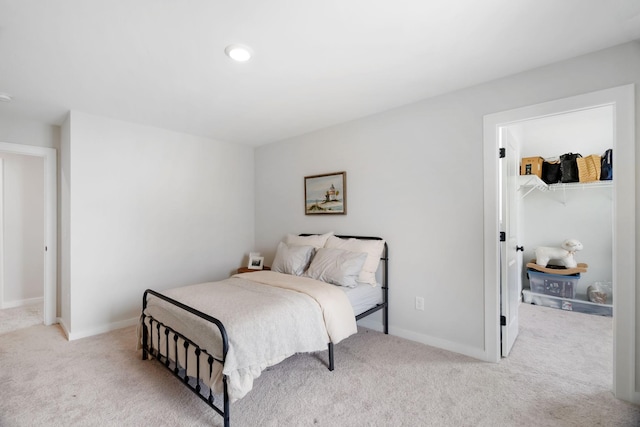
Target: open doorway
x,y
549,214
49,203
623,249
22,240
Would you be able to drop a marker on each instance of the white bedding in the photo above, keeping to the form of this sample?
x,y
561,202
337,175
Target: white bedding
x,y
268,318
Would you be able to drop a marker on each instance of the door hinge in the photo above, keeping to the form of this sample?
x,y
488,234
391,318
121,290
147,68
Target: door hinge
x,y
503,153
503,236
503,321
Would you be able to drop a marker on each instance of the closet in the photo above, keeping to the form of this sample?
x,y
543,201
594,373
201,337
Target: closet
x,y
584,211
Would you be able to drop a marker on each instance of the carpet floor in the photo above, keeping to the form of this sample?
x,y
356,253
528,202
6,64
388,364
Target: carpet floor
x,y
558,374
12,319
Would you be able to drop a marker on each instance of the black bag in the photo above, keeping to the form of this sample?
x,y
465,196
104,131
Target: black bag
x,y
569,167
551,173
606,167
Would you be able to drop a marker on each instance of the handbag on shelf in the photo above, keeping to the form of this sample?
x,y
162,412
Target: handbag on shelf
x,y
606,167
589,168
551,173
569,167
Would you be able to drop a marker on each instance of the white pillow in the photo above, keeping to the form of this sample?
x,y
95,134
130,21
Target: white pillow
x,y
292,259
336,266
316,240
373,249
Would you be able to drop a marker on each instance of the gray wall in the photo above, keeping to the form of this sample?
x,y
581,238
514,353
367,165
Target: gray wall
x,y
415,177
146,208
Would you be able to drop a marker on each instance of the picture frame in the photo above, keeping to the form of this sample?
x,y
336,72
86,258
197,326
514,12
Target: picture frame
x,y
325,194
256,262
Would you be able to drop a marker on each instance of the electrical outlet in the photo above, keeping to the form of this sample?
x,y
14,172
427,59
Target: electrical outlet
x,y
420,303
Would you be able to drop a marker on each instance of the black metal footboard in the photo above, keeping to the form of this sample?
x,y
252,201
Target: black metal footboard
x,y
162,354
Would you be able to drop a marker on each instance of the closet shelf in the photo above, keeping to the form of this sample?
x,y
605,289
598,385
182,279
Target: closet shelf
x,y
581,185
528,183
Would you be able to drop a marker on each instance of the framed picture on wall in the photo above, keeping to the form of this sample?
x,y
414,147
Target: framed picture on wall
x,y
325,194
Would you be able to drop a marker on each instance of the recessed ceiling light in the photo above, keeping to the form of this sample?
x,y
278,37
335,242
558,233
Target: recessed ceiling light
x,y
5,97
238,52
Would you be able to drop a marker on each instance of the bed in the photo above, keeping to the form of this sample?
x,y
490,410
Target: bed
x,y
218,337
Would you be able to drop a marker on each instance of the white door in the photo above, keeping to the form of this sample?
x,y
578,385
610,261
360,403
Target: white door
x,y
510,275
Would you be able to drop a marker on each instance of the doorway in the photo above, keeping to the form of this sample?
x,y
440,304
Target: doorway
x,y
546,215
21,231
622,101
582,211
50,222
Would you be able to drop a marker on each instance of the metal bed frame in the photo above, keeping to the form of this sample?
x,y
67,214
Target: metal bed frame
x,y
195,384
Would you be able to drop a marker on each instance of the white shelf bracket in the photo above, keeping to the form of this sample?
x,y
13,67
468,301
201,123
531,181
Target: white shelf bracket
x,y
532,182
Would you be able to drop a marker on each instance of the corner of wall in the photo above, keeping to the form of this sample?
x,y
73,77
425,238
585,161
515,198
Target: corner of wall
x,y
64,224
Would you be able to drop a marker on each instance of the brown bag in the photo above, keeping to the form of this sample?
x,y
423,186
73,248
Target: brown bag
x,y
589,168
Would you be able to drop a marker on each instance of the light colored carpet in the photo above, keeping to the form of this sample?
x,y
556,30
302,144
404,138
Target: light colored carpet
x,y
559,374
12,319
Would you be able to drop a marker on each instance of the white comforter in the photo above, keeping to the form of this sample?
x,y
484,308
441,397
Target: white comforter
x,y
268,317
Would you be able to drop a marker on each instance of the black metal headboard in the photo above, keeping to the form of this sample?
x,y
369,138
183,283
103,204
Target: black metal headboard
x,y
384,258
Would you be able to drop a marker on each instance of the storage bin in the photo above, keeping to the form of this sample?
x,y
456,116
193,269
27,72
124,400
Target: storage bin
x,y
580,306
556,285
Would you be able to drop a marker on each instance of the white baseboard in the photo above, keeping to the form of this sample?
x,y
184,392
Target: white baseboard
x,y
371,324
22,302
376,325
476,353
99,330
64,327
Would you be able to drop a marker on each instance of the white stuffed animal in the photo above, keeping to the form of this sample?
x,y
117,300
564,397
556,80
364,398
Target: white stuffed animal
x,y
564,255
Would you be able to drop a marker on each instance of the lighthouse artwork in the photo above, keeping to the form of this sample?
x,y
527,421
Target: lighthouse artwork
x,y
325,194
331,194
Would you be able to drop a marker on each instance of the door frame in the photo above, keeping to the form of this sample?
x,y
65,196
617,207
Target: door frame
x,y
622,99
50,221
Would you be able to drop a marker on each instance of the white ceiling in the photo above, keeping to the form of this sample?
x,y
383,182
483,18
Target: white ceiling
x,y
316,63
